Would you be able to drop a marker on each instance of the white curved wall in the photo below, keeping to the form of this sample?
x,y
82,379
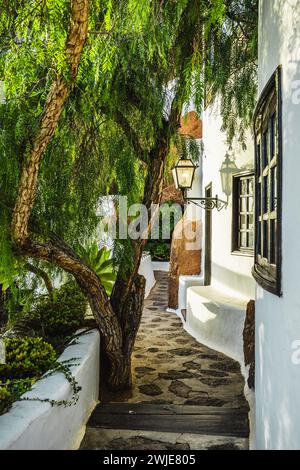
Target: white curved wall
x,y
33,425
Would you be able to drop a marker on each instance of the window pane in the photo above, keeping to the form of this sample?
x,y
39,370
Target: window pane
x,y
273,242
259,252
250,204
250,240
265,194
273,189
266,149
243,204
244,188
258,157
251,221
272,135
243,239
251,186
265,239
243,222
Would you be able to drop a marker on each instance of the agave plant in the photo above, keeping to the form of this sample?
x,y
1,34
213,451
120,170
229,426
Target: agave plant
x,y
101,262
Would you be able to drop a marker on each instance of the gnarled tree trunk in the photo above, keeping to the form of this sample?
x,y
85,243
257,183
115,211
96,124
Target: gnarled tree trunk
x,y
3,312
56,251
56,99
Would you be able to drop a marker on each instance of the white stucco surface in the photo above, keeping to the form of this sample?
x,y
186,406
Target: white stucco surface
x,y
278,319
146,270
184,283
216,313
216,320
160,266
39,426
230,272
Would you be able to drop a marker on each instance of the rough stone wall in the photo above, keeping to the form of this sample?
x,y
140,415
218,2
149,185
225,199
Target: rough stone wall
x,y
183,260
249,342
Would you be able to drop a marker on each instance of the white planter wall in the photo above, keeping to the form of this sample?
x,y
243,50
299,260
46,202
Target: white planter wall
x,y
146,270
39,426
161,266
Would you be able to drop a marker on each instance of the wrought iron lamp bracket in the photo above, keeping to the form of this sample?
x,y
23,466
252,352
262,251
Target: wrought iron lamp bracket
x,y
208,203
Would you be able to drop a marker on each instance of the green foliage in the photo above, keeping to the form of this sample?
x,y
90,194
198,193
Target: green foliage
x,y
231,66
101,262
53,319
62,315
11,390
116,109
26,357
159,250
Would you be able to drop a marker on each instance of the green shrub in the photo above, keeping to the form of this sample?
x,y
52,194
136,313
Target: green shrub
x,y
159,250
26,357
58,317
11,390
101,262
65,313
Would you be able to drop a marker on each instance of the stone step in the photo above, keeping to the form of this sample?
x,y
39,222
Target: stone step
x,y
206,420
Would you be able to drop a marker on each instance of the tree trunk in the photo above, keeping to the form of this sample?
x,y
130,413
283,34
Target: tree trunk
x,y
55,101
3,312
128,294
124,287
117,351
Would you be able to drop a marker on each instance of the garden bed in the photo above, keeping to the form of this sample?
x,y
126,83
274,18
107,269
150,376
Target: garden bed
x,y
40,425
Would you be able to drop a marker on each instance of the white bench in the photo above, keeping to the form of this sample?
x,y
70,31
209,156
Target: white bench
x,y
216,319
186,281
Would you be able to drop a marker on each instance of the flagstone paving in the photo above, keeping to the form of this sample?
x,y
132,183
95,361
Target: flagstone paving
x,y
172,368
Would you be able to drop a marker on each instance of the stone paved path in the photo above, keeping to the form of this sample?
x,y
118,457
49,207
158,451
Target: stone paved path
x,y
170,367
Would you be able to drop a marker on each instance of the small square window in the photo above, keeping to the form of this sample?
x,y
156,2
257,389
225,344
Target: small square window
x,y
243,213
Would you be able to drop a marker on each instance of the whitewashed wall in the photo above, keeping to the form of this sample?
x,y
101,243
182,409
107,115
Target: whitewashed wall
x,y
35,425
278,319
230,272
146,270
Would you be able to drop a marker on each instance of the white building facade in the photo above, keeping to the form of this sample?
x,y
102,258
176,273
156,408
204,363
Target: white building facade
x,y
252,251
215,310
278,314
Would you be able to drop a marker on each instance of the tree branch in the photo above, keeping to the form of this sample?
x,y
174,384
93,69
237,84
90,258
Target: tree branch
x,y
131,135
42,274
55,101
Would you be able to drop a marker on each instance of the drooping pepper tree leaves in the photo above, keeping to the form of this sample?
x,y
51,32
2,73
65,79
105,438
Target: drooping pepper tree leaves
x,y
94,94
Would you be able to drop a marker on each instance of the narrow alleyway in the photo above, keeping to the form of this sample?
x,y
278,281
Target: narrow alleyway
x,y
185,395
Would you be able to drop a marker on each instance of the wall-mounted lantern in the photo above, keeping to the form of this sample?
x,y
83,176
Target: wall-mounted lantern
x,y
183,174
228,169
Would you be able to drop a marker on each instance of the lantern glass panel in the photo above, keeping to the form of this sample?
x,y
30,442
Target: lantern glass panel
x,y
185,170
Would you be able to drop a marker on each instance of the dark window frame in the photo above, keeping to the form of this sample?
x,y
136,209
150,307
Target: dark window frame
x,y
236,249
268,214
